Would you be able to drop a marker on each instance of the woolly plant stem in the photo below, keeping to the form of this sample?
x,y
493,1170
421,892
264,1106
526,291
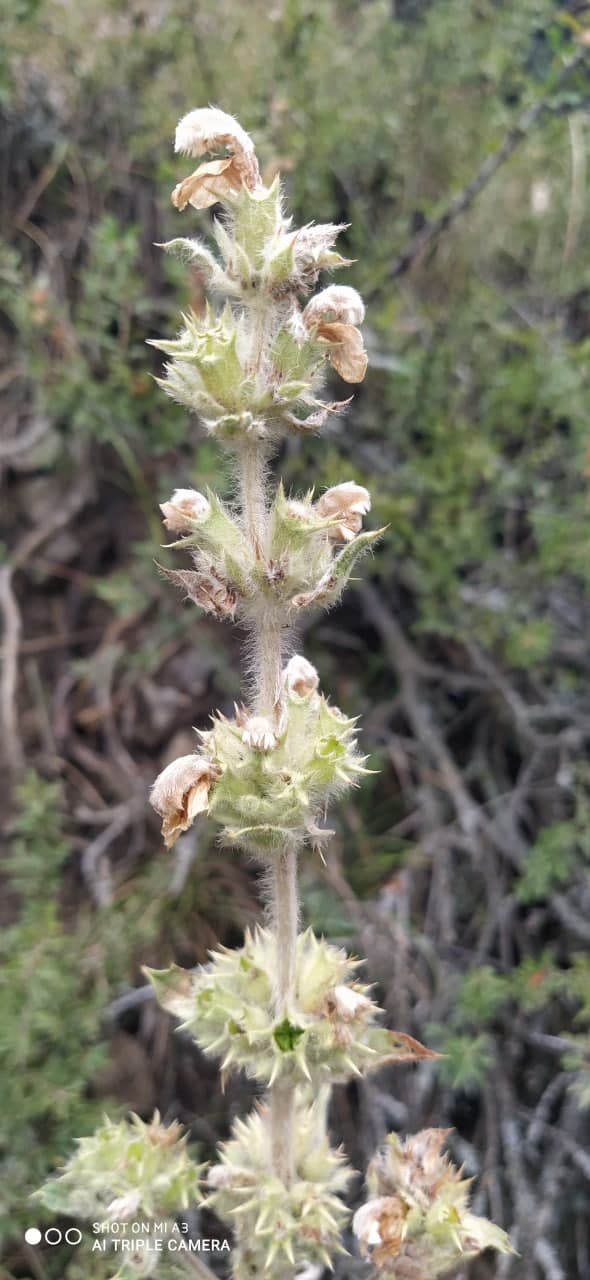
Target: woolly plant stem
x,y
284,923
268,630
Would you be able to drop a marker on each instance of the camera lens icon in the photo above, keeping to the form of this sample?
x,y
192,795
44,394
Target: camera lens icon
x,y
53,1235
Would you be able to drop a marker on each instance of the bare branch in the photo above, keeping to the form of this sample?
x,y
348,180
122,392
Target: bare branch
x,y
462,201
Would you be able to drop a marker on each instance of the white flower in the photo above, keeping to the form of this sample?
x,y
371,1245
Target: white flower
x,y
180,792
124,1206
300,677
347,1004
345,503
184,507
365,1224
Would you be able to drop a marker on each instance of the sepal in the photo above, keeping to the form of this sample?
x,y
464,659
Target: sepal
x,y
196,254
329,589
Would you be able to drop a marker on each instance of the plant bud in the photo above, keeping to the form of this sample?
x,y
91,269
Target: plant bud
x,y
181,792
300,677
185,507
346,504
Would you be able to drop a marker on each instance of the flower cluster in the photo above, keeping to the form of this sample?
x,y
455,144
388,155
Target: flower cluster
x,y
417,1222
305,559
125,1171
216,366
264,781
287,1009
329,1034
275,1225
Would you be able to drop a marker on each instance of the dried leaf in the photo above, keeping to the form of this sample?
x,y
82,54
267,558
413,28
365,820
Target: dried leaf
x,y
208,590
405,1048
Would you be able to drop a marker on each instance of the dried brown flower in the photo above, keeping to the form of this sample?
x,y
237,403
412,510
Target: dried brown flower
x,y
418,1222
181,792
210,130
209,590
347,503
332,316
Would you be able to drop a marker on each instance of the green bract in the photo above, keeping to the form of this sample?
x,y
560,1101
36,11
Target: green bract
x,y
267,800
126,1170
328,1035
275,1224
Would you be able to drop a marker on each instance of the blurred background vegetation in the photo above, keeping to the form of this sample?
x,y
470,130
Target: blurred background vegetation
x,y
460,869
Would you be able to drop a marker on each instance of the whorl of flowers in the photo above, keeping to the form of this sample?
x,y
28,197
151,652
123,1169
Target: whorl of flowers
x,y
277,1225
265,782
417,1222
330,1034
287,1009
129,1170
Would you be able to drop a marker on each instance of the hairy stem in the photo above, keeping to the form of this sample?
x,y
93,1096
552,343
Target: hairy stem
x,y
267,640
252,493
284,913
282,1096
268,631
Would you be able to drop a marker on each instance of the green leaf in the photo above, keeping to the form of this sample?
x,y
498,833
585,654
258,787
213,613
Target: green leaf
x,y
549,863
286,1035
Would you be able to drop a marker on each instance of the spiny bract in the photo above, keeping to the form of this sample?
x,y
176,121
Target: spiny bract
x,y
329,1034
417,1221
270,799
127,1170
275,1224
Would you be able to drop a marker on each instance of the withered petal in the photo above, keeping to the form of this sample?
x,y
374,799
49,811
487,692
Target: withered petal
x,y
211,182
347,354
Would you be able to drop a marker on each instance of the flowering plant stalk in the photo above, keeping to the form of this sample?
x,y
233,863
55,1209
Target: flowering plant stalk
x,y
287,1008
